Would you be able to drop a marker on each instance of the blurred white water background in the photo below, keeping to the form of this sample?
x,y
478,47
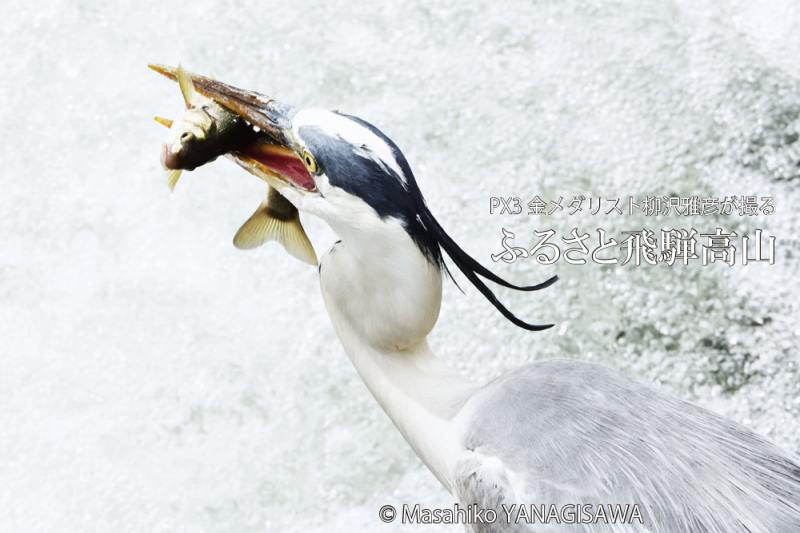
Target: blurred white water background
x,y
155,379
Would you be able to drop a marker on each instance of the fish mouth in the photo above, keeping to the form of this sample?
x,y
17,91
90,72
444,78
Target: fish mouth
x,y
274,156
169,159
181,158
172,159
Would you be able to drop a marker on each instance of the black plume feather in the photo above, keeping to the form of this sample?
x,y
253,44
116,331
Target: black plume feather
x,y
472,269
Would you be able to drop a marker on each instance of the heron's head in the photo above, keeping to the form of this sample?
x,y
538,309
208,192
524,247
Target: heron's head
x,y
346,171
350,174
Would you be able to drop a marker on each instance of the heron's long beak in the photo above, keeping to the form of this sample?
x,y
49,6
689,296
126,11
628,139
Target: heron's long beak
x,y
267,114
275,157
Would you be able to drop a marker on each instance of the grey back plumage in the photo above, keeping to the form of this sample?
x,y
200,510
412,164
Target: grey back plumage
x,y
568,432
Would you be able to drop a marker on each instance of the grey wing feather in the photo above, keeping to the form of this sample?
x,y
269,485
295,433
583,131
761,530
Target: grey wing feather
x,y
567,432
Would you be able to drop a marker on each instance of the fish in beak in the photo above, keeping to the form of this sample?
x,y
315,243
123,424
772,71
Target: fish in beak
x,y
273,157
208,130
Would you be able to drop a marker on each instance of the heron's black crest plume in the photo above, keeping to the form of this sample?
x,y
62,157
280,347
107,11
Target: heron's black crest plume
x,y
392,195
472,269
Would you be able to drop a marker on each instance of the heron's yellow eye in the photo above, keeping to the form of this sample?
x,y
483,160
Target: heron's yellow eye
x,y
310,162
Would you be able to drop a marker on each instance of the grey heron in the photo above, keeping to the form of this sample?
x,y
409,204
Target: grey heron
x,y
561,432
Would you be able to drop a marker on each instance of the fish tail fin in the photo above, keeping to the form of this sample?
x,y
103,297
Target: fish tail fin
x,y
263,226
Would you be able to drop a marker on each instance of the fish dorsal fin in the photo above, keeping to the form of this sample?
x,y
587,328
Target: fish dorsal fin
x,y
263,225
187,87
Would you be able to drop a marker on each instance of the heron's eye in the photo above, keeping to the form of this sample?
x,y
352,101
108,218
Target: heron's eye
x,y
310,162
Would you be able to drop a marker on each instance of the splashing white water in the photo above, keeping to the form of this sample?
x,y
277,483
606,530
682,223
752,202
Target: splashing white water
x,y
156,379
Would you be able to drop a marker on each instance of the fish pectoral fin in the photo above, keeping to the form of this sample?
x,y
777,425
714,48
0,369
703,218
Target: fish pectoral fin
x,y
163,121
172,178
263,226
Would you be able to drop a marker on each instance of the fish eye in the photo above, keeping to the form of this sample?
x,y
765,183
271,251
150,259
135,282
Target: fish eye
x,y
310,162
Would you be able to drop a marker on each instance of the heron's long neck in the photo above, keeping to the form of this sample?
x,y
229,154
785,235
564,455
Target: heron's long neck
x,y
419,393
382,308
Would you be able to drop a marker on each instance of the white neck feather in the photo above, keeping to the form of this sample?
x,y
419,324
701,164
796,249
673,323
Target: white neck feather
x,y
383,298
